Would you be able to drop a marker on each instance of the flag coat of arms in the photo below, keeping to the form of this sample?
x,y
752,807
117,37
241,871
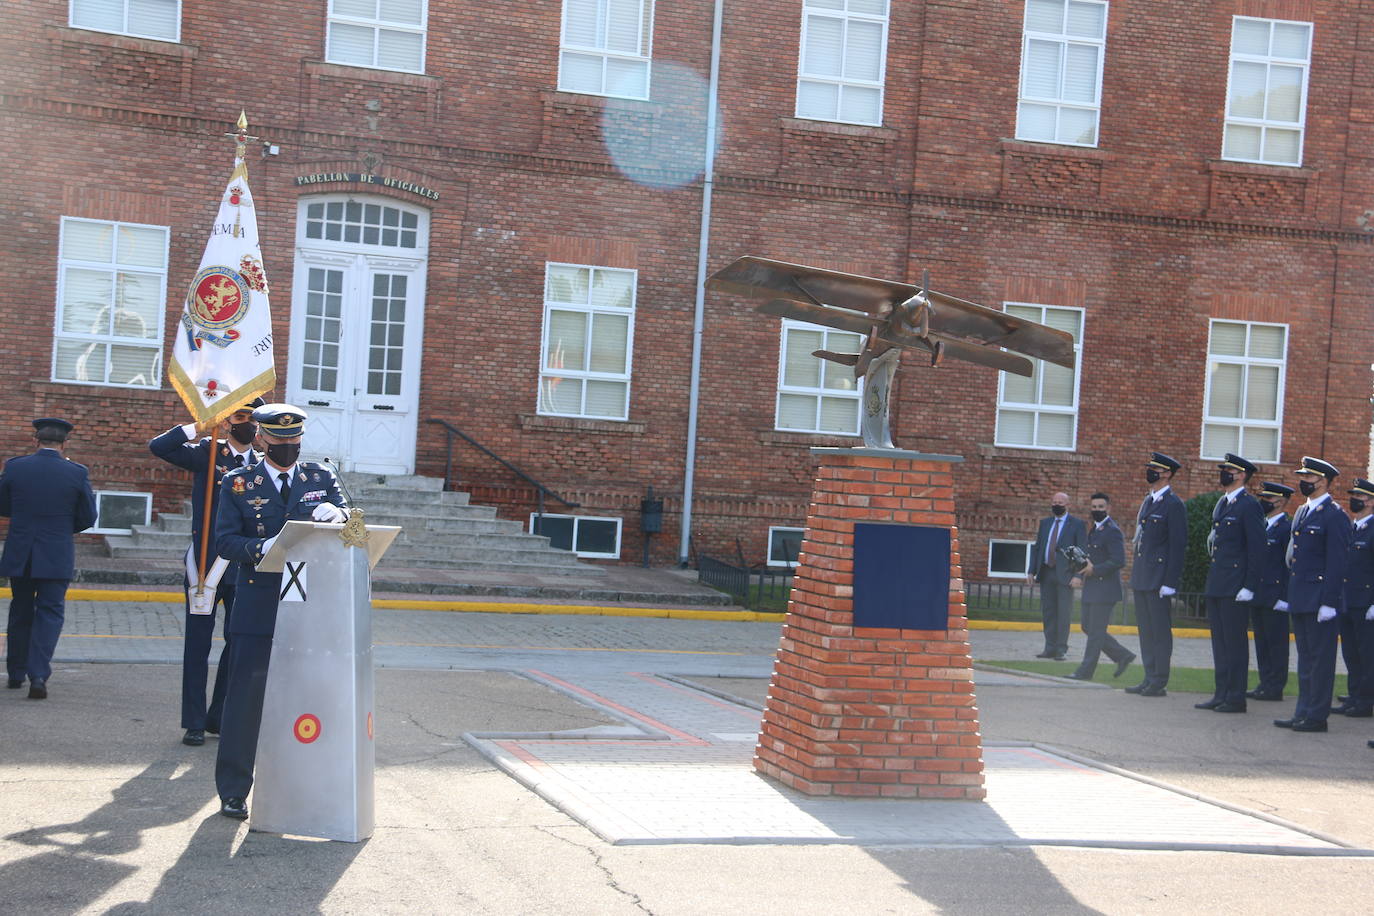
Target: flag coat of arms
x,y
222,355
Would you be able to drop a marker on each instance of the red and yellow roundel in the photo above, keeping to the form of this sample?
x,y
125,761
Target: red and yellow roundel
x,y
369,726
218,298
307,728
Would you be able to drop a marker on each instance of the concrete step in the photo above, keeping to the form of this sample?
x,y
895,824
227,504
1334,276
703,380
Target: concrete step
x,y
533,553
447,527
355,480
486,567
121,547
514,540
386,496
173,523
153,536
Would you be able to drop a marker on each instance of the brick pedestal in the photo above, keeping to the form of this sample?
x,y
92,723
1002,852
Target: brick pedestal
x,y
861,711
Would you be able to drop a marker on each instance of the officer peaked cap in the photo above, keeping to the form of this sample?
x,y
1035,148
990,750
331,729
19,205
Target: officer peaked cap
x,y
1363,487
52,428
1275,489
253,404
284,420
1312,465
1237,462
1161,460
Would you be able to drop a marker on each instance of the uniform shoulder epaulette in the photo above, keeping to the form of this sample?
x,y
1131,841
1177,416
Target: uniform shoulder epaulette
x,y
314,466
79,464
239,472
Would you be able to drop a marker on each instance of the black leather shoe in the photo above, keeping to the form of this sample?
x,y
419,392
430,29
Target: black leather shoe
x,y
1370,743
1044,655
194,737
211,729
1266,696
1154,692
1358,712
1341,710
15,683
1310,725
1138,688
1286,723
1122,665
1342,699
38,690
236,808
1213,703
1079,676
1229,707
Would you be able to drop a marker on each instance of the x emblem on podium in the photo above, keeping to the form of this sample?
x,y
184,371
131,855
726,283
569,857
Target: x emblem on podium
x,y
293,581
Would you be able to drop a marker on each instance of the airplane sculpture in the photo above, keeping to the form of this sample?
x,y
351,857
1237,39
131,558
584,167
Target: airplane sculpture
x,y
892,317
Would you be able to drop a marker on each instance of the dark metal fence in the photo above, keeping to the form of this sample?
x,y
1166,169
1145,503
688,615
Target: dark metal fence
x,y
750,586
1017,597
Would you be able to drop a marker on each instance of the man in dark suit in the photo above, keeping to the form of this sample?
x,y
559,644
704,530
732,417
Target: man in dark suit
x,y
1161,536
255,504
48,499
1357,623
184,447
1269,610
1319,555
1053,572
1101,580
1236,544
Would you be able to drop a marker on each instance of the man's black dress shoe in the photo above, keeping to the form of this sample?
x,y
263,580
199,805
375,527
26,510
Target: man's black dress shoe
x,y
1341,709
1154,692
1230,707
236,808
1080,676
1044,655
38,690
15,683
1286,723
211,729
1370,743
1358,712
1342,699
1267,696
1122,665
1213,703
194,737
1310,725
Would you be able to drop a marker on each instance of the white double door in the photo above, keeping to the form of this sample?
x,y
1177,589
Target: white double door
x,y
357,324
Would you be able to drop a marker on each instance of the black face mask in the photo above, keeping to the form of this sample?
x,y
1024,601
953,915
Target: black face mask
x,y
1357,505
1267,506
1307,487
1058,510
1152,475
243,433
284,454
1227,477
1099,515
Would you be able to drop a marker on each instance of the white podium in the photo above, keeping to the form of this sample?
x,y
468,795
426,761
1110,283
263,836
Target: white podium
x,y
314,769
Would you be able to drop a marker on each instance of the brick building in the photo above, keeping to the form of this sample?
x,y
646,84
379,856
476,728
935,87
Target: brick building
x,y
495,220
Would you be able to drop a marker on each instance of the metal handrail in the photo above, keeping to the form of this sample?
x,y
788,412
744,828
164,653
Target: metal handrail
x,y
452,431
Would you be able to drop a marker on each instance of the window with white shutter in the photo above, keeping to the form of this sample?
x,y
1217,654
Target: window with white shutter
x,y
1061,71
111,290
1266,95
382,34
588,329
842,61
1042,411
816,395
605,47
1243,403
160,19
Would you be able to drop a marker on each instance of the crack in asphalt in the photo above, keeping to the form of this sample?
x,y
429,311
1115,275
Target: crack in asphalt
x,y
611,881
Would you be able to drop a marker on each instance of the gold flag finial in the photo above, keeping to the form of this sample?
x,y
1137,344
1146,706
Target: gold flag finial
x,y
243,121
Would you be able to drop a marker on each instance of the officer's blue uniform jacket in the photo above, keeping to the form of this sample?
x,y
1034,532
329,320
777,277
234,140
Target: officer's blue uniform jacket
x,y
1273,577
174,448
1238,555
48,499
1321,554
1107,551
1163,528
251,511
1359,574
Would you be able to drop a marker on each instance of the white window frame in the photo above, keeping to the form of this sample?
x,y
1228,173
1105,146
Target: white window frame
x,y
584,376
153,343
995,574
845,16
645,42
577,520
1059,103
378,25
1245,362
777,560
147,511
791,324
1039,408
71,21
1264,124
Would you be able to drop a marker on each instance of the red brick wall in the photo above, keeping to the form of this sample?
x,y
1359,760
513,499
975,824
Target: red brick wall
x,y
1150,233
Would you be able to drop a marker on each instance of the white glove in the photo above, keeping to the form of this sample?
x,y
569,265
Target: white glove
x,y
1281,605
267,545
192,434
1245,595
1165,591
1369,614
328,512
1325,613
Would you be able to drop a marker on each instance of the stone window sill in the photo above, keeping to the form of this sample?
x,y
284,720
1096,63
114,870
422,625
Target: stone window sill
x,y
540,423
123,42
1059,150
1031,454
556,98
870,132
318,68
104,393
1288,172
787,439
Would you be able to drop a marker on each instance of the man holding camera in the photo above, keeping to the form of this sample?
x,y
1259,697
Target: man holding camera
x,y
1100,575
1054,573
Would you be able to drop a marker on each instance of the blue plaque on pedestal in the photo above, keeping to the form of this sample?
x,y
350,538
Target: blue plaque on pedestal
x,y
901,576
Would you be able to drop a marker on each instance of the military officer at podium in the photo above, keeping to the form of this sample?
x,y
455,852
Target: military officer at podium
x,y
255,503
1161,536
47,498
1236,544
185,448
1319,555
1357,623
1269,610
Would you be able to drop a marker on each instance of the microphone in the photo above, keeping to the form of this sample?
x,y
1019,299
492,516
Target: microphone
x,y
338,475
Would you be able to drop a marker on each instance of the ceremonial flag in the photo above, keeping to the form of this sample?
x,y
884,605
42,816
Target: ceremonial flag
x,y
222,356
